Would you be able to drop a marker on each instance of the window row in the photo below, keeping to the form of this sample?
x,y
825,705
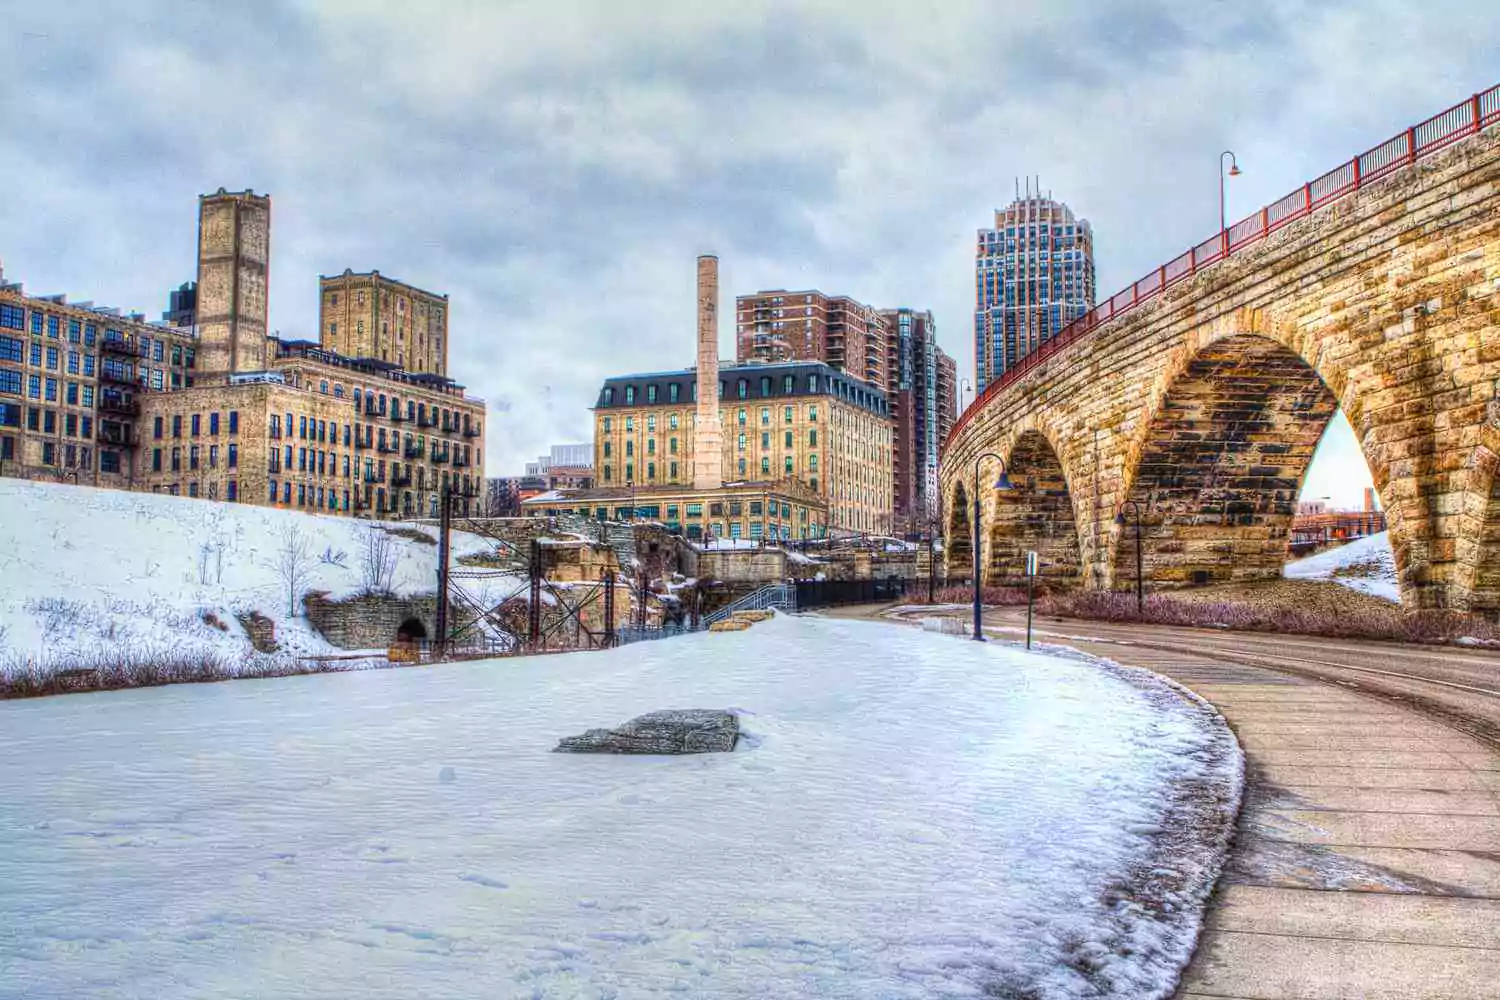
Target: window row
x,y
198,456
211,491
195,424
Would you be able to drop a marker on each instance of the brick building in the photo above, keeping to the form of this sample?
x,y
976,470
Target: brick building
x,y
799,421
779,325
375,317
215,408
71,377
923,401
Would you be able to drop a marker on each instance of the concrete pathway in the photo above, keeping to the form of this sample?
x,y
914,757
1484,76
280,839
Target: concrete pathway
x,y
1367,863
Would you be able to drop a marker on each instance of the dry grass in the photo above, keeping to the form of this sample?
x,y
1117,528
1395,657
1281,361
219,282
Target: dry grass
x,y
22,677
1355,616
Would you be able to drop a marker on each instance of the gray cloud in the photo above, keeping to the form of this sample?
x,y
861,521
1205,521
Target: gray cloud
x,y
555,166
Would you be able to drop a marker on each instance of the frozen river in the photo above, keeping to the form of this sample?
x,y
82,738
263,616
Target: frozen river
x,y
910,815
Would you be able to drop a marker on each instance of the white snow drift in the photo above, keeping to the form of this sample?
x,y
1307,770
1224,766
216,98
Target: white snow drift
x,y
85,570
909,815
1365,564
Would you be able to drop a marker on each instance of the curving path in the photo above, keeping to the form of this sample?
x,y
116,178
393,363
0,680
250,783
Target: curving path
x,y
1368,857
1367,863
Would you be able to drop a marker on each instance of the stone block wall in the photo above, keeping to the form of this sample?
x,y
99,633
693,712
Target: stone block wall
x,y
369,621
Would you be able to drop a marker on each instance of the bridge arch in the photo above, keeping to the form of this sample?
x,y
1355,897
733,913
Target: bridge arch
x,y
1219,464
1036,514
958,545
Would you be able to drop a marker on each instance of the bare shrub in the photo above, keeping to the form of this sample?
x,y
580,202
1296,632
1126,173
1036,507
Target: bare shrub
x,y
32,677
378,559
293,564
338,558
990,595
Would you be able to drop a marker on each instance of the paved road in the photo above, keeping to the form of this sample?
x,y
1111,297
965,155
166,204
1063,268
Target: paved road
x,y
1367,861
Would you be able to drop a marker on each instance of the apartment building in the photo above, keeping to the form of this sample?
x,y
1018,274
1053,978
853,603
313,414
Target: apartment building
x,y
1033,275
369,316
753,511
923,400
793,421
318,432
71,378
778,325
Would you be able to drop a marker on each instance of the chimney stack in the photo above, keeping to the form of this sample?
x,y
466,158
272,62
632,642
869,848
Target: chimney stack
x,y
708,435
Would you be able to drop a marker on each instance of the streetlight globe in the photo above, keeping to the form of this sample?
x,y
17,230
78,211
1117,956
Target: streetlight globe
x,y
1004,483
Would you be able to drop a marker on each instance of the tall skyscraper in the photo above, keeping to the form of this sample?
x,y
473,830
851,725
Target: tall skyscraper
x,y
778,325
1033,275
922,393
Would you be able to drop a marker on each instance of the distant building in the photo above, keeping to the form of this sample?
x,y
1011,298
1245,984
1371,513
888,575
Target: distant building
x,y
182,306
923,398
567,466
1033,275
369,316
779,325
801,421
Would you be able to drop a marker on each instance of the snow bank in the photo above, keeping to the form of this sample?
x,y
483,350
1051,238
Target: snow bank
x,y
1365,564
88,571
909,815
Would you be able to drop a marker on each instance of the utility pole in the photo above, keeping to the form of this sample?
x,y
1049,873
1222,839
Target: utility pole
x,y
445,532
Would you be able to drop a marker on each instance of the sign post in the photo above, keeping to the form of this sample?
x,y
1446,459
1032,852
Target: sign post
x,y
1031,568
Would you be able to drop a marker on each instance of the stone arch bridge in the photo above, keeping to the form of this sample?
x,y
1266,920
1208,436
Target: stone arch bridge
x,y
1201,392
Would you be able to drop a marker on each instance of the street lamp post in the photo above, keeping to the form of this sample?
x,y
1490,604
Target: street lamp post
x,y
1234,171
1003,483
1140,590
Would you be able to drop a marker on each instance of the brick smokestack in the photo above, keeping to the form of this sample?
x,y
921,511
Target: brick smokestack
x,y
708,435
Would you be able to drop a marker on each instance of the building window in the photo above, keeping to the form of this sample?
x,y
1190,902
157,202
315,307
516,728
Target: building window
x,y
788,414
231,489
742,388
629,395
651,472
177,425
52,358
630,423
213,456
192,458
234,421
10,349
812,414
155,459
651,446
12,317
88,364
70,424
629,448
673,391
787,440
789,465
812,463
673,467
605,425
88,396
213,424
196,424
672,446
650,393
192,489
765,465
606,449
52,327
49,453
51,390
10,382
765,385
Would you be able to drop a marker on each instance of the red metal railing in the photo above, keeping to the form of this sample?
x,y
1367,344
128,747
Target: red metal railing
x,y
1441,130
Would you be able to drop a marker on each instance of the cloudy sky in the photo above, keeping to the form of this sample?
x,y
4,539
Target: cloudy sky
x,y
556,166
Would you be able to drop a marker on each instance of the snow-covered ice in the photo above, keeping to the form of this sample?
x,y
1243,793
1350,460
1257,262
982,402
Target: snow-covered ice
x,y
909,815
1365,564
88,569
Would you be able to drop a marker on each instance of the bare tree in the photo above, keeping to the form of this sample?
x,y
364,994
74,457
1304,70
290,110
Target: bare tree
x,y
293,564
378,560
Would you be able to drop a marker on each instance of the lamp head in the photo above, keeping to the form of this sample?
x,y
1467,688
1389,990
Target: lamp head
x,y
1234,170
1120,518
1003,483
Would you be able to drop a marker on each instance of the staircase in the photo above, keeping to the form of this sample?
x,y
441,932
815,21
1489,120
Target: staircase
x,y
781,596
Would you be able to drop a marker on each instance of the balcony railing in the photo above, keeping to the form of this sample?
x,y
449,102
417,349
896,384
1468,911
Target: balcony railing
x,y
371,476
117,435
361,443
117,345
273,466
471,430
401,480
397,416
413,451
1464,119
110,402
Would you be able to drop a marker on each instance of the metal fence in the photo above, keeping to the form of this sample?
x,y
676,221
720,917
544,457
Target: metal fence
x,y
828,593
1466,118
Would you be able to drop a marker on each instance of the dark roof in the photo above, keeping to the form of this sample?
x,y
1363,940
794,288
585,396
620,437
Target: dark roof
x,y
829,382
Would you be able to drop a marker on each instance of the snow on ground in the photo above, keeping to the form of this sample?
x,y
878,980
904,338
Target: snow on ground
x,y
909,815
88,570
1366,565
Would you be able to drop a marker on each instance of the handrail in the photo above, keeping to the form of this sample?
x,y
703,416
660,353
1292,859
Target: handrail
x,y
771,595
1466,118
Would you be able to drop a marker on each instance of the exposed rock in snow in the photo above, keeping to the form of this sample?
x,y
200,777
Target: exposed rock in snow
x,y
673,731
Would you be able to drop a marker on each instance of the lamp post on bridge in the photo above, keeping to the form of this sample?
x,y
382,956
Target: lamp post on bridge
x,y
1003,483
1234,171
